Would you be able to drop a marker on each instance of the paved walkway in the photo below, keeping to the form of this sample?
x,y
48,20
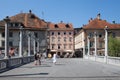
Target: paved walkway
x,y
64,69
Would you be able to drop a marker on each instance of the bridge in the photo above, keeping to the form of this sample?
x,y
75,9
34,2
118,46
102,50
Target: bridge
x,y
64,69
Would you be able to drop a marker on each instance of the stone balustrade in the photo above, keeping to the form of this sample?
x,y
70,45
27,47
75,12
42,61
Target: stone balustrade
x,y
7,64
110,60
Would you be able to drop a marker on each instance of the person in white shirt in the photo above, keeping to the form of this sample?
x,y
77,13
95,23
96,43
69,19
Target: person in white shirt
x,y
54,58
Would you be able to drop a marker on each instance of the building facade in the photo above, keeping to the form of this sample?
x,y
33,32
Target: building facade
x,y
34,33
61,40
91,39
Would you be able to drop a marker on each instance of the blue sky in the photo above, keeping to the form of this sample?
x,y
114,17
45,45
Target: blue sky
x,y
77,12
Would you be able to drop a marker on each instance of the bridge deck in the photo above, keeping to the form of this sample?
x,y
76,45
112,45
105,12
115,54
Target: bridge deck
x,y
64,69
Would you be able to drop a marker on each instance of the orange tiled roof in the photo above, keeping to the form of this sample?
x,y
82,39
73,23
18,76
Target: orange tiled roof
x,y
100,24
28,19
60,26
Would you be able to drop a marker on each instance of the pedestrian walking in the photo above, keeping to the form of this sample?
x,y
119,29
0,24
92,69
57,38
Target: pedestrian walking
x,y
36,58
39,58
54,58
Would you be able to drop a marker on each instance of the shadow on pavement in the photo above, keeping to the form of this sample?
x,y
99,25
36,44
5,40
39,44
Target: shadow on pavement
x,y
24,74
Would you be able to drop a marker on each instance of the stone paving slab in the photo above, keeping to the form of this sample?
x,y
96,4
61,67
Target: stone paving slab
x,y
64,69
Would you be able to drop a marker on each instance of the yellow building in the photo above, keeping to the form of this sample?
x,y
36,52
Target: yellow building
x,y
95,29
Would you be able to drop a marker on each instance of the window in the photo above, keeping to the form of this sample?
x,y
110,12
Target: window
x,y
64,33
64,39
67,26
59,39
114,35
70,33
11,43
58,46
100,35
70,39
10,34
52,46
58,33
91,35
36,35
91,44
65,46
56,26
3,34
53,39
70,46
3,43
101,44
52,33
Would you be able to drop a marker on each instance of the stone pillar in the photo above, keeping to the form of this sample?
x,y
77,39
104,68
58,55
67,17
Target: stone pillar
x,y
38,46
95,39
106,44
88,46
29,43
84,49
7,20
21,42
34,46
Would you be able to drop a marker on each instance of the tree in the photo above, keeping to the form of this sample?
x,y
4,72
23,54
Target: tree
x,y
114,47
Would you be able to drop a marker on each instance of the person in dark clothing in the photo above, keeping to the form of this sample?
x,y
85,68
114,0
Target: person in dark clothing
x,y
36,58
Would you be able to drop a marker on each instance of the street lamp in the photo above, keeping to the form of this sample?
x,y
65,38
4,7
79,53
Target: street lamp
x,y
7,21
106,43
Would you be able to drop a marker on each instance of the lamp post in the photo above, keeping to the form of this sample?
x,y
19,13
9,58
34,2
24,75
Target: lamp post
x,y
7,21
95,45
21,41
106,43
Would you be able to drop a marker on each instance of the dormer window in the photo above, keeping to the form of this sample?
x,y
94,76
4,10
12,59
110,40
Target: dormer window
x,y
56,26
15,24
32,16
67,26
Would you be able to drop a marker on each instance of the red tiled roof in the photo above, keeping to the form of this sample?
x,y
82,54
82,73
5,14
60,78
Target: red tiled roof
x,y
60,26
28,19
100,24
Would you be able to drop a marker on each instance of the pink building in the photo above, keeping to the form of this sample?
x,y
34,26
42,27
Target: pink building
x,y
61,39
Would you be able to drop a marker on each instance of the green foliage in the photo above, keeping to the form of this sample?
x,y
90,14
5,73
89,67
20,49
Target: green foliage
x,y
114,47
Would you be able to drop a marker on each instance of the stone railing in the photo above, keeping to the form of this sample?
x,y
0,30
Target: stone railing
x,y
110,60
7,64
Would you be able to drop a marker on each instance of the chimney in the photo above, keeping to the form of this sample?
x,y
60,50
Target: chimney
x,y
61,21
90,20
113,22
98,16
30,11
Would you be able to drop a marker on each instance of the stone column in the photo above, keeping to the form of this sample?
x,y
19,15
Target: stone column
x,y
7,20
34,46
95,39
38,45
88,46
106,43
29,43
21,42
84,49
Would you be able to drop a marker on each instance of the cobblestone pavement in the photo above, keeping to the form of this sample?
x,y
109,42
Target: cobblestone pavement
x,y
64,69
